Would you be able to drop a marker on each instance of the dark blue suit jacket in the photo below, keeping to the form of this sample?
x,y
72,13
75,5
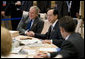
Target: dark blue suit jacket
x,y
55,35
73,47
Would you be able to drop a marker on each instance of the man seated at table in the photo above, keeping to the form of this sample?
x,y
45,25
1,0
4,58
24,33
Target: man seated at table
x,y
72,47
31,22
6,42
53,32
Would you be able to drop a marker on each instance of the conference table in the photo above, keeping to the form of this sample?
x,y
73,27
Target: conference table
x,y
28,47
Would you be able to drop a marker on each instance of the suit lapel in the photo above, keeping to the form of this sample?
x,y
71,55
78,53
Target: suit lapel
x,y
34,23
56,26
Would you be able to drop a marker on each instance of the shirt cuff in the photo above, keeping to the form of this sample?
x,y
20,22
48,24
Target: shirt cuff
x,y
59,56
48,54
51,41
26,31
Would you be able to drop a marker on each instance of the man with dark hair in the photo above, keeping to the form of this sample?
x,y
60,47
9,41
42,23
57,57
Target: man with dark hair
x,y
73,46
53,32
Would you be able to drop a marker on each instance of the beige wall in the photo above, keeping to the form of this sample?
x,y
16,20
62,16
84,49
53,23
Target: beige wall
x,y
82,8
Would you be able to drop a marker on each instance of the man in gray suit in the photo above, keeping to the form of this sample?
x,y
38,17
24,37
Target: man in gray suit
x,y
72,46
31,22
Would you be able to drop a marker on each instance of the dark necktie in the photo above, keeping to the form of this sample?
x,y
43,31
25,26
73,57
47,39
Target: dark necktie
x,y
51,28
29,25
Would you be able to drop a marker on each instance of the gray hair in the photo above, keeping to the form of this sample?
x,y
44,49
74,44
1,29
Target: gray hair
x,y
36,8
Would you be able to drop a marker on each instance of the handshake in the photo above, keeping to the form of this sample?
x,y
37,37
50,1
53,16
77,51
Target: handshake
x,y
30,33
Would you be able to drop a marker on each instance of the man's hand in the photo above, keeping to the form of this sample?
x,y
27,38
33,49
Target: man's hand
x,y
30,33
3,13
46,41
18,3
41,55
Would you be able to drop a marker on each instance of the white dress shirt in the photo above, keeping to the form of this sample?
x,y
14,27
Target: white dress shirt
x,y
67,37
30,27
53,25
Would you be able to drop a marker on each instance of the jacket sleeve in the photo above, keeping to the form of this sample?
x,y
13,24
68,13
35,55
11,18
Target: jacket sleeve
x,y
67,50
43,36
21,25
40,26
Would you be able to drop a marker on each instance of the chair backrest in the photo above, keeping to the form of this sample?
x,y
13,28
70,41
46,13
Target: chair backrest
x,y
43,16
78,27
46,26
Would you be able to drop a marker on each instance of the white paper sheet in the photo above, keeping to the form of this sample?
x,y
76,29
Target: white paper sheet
x,y
16,50
48,49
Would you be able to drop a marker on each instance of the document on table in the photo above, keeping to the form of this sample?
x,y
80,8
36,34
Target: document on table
x,y
29,41
49,49
16,50
16,56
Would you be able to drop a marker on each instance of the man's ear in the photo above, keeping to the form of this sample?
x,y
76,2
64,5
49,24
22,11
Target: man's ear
x,y
62,29
56,16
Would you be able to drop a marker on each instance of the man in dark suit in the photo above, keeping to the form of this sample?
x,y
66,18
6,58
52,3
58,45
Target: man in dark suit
x,y
53,32
62,8
8,8
73,8
13,10
73,46
44,6
31,22
25,5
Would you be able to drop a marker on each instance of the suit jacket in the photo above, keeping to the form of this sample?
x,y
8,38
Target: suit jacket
x,y
72,47
26,5
13,11
36,27
55,35
44,6
75,8
62,8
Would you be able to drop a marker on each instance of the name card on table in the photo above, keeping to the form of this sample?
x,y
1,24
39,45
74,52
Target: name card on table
x,y
14,33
